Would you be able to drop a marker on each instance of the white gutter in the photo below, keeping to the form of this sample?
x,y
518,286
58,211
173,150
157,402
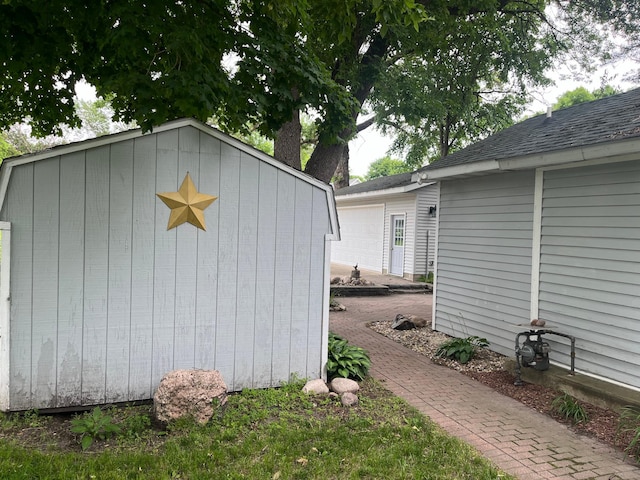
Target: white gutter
x,y
383,192
547,159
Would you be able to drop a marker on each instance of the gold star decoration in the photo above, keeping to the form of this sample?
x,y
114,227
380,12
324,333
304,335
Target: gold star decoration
x,y
187,204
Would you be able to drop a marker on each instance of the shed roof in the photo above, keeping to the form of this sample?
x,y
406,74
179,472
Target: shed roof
x,y
600,122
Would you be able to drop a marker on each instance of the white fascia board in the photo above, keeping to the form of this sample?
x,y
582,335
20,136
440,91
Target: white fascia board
x,y
382,193
616,148
485,166
572,155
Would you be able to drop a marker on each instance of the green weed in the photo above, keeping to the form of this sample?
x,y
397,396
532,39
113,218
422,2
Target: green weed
x,y
629,425
94,425
569,408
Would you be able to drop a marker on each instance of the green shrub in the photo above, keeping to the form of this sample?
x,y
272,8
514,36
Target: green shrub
x,y
346,360
134,426
569,408
94,425
629,424
461,349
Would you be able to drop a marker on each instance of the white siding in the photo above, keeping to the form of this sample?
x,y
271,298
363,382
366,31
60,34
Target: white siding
x,y
590,267
427,198
105,300
401,205
361,237
484,257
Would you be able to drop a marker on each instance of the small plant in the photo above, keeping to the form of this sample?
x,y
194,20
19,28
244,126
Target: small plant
x,y
569,408
332,300
629,424
94,425
135,425
461,349
346,360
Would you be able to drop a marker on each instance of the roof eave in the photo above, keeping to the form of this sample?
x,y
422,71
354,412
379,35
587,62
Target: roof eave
x,y
547,159
383,192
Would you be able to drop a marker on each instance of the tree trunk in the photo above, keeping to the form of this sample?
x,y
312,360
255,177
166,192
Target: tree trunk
x,y
286,146
341,177
324,161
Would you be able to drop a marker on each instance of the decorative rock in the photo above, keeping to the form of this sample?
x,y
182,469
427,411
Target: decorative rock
x,y
315,387
189,393
408,322
335,280
349,399
344,385
337,307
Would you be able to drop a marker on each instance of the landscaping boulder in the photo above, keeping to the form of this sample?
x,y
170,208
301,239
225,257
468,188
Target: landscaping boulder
x,y
316,387
349,399
195,393
344,385
408,322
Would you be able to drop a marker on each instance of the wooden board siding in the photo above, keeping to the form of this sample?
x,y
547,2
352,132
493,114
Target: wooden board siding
x,y
105,300
484,257
424,256
590,267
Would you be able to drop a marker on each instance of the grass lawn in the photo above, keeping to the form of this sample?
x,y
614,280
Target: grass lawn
x,y
259,434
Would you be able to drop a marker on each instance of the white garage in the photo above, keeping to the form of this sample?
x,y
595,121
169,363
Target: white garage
x,y
387,225
362,232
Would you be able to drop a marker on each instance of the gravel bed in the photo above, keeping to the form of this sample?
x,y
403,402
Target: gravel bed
x,y
427,341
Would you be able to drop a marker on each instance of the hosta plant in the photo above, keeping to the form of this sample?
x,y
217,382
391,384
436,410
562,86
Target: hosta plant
x,y
345,360
461,349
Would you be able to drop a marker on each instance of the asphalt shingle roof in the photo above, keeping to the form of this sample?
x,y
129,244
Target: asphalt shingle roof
x,y
611,118
381,183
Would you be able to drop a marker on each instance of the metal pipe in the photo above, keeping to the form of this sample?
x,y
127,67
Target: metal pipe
x,y
573,348
518,381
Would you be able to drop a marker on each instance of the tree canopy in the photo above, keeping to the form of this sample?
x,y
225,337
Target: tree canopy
x,y
262,62
386,166
582,95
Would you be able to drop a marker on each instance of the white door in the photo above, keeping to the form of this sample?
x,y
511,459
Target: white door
x,y
397,245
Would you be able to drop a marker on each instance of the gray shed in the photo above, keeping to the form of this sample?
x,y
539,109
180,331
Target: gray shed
x,y
542,220
100,299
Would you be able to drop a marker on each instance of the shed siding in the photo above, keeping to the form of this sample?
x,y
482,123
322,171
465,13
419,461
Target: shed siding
x,y
401,205
105,300
590,266
484,257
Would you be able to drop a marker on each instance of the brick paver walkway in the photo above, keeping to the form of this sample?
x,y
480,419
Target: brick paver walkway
x,y
519,440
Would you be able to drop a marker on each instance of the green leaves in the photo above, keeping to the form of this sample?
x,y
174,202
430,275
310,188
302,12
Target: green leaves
x,y
569,408
461,349
629,427
386,166
94,425
346,360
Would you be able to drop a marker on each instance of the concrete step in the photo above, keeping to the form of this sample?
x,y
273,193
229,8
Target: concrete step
x,y
583,387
